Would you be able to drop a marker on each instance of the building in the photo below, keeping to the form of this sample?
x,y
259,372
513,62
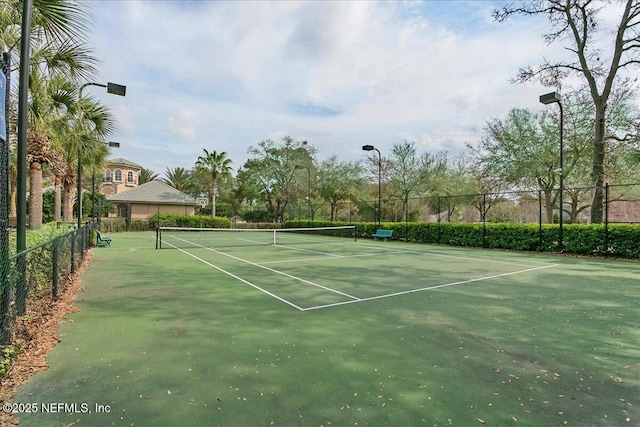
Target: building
x,y
119,175
120,185
144,201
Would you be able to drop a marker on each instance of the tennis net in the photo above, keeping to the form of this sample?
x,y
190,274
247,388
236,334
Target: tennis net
x,y
184,237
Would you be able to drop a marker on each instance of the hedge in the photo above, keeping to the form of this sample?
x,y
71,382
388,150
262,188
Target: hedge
x,y
614,240
173,220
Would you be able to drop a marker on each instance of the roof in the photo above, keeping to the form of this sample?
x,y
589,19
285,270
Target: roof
x,y
123,162
154,192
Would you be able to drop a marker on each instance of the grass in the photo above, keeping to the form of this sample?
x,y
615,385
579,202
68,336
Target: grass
x,y
164,340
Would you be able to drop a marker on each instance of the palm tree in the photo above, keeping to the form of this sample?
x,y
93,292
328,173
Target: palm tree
x,y
179,178
57,51
86,136
216,164
58,37
50,99
147,175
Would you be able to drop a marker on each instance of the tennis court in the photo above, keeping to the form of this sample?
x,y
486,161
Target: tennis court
x,y
330,331
310,270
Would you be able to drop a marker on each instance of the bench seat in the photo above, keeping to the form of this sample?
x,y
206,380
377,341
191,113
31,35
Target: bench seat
x,y
382,234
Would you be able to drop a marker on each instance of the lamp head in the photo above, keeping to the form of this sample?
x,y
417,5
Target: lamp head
x,y
550,98
367,147
116,89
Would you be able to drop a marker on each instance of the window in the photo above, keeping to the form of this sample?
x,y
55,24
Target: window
x,y
130,178
107,175
118,175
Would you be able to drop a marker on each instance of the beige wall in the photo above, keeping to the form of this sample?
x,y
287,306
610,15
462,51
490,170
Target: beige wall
x,y
128,179
146,211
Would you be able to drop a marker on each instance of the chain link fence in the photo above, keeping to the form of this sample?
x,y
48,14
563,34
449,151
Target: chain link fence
x,y
33,281
621,206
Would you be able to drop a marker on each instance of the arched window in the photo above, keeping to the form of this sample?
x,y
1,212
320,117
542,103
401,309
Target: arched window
x,y
107,175
130,178
118,175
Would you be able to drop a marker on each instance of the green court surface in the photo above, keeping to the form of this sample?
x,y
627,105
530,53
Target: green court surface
x,y
337,332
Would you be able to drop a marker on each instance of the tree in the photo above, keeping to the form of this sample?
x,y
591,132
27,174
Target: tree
x,y
523,151
88,126
147,175
215,165
337,182
270,172
577,21
179,178
407,174
50,98
58,37
57,51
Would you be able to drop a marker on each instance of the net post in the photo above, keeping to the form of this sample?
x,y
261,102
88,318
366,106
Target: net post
x,y
355,234
157,236
274,237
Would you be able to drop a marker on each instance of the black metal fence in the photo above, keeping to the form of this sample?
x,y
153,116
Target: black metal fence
x,y
621,205
35,278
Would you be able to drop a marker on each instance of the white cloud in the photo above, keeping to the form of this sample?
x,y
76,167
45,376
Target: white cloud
x,y
226,75
184,125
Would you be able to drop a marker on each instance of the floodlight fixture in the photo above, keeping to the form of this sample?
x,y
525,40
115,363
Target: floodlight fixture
x,y
116,89
553,98
550,98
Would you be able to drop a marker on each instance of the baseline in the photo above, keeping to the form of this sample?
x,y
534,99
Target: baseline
x,y
429,288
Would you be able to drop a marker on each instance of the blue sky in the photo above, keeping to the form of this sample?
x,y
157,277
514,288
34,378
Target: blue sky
x,y
226,75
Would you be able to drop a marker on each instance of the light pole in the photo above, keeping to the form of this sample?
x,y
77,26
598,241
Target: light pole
x,y
553,98
308,189
115,89
371,148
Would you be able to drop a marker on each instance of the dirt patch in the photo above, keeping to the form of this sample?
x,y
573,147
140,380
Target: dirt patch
x,y
38,333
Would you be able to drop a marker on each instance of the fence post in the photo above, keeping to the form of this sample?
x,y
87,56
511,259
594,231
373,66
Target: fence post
x,y
73,252
438,213
5,264
56,257
540,242
484,220
606,220
21,285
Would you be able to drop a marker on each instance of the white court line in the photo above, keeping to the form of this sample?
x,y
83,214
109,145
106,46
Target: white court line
x,y
330,257
308,250
492,260
238,278
274,271
462,282
356,299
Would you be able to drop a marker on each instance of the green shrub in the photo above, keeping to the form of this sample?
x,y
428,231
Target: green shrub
x,y
174,220
620,241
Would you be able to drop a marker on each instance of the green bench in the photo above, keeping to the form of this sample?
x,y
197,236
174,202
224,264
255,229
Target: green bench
x,y
102,242
382,234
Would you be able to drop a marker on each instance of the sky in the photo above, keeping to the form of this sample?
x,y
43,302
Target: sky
x,y
225,76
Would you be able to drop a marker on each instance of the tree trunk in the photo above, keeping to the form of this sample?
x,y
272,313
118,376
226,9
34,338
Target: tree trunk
x,y
13,210
548,205
67,202
214,190
35,196
597,171
57,201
